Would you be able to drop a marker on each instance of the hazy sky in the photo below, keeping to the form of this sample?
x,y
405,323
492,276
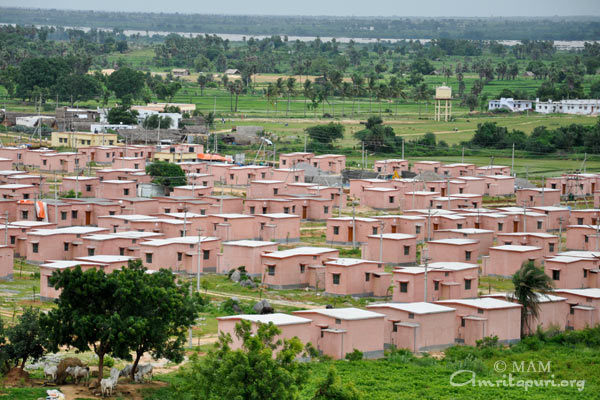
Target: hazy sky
x,y
433,8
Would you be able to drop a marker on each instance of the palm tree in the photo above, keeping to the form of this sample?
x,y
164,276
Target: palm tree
x,y
237,89
290,89
530,284
358,82
279,90
371,86
271,93
346,91
336,80
306,92
420,93
381,92
396,89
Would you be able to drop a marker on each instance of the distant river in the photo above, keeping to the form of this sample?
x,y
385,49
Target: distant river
x,y
234,37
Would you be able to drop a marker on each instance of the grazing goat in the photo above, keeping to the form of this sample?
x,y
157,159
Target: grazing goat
x,y
50,372
142,373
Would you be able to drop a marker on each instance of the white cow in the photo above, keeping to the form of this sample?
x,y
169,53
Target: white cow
x,y
108,385
50,372
142,373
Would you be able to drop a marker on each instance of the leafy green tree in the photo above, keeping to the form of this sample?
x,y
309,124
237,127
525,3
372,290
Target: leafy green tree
x,y
530,284
41,73
155,312
331,388
326,134
251,372
595,90
154,120
27,339
167,91
471,101
122,115
205,79
166,174
87,316
290,90
376,136
126,82
76,87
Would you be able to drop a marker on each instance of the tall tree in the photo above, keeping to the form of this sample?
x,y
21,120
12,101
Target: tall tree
x,y
331,388
530,284
166,174
306,91
290,90
126,82
27,338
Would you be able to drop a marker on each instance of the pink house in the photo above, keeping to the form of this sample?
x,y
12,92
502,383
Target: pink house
x,y
461,250
200,179
470,184
410,224
129,162
483,236
381,198
272,206
6,163
483,317
246,253
357,186
345,230
232,226
108,263
583,237
290,326
394,248
496,222
63,162
245,174
6,262
288,160
536,197
418,327
426,166
588,216
166,205
219,170
313,208
584,307
355,277
85,211
191,191
553,312
181,254
121,174
115,189
419,199
572,272
120,243
56,244
47,291
390,166
86,185
445,280
458,169
289,269
492,170
545,241
528,221
507,259
288,175
17,234
282,228
499,185
18,192
338,331
264,189
334,163
223,203
558,217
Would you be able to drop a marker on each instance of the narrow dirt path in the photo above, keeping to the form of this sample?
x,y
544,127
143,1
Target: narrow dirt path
x,y
287,303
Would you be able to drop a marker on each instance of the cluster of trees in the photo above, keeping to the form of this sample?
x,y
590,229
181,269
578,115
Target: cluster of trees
x,y
572,138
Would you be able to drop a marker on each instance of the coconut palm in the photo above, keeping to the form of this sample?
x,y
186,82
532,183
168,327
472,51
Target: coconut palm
x,y
530,284
290,90
358,83
307,89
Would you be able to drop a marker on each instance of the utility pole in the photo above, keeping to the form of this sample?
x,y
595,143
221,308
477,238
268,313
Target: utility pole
x,y
429,224
353,225
198,261
55,200
403,148
341,196
448,191
381,226
524,216
6,229
190,328
560,224
543,190
305,137
462,159
185,210
425,258
512,168
363,156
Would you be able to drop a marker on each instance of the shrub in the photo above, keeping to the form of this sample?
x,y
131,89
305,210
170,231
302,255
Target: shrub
x,y
356,355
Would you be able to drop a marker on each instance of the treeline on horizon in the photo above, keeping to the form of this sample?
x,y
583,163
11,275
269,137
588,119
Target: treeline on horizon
x,y
554,28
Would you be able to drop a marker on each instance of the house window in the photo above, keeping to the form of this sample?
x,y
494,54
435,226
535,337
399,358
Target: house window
x,y
462,322
374,230
586,239
63,215
391,199
111,213
403,287
302,267
579,221
296,178
479,311
336,230
326,209
74,214
394,327
149,258
179,256
468,255
24,214
271,270
286,210
35,247
500,226
585,273
275,191
406,250
436,285
556,275
91,252
338,321
467,284
205,254
539,224
551,247
12,239
66,246
417,229
367,276
121,251
459,226
336,279
252,209
126,192
411,316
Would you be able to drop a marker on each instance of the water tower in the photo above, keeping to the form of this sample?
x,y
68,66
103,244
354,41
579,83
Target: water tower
x,y
443,103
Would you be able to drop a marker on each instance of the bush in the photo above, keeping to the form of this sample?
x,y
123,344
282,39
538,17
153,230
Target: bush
x,y
356,355
400,356
109,362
